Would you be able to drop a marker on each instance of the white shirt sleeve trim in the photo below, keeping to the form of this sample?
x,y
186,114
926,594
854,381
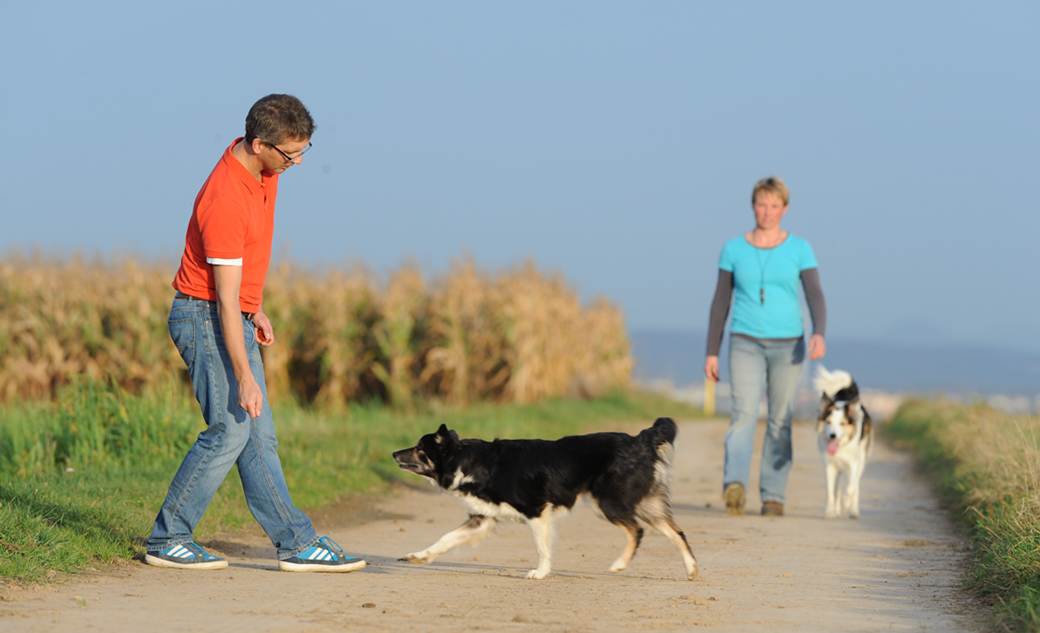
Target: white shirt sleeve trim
x,y
224,262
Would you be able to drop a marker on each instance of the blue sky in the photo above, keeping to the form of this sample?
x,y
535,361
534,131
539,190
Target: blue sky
x,y
614,142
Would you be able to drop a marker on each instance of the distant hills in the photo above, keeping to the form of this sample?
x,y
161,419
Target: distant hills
x,y
678,355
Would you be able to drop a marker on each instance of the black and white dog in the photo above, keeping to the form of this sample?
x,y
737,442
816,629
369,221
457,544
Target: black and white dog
x,y
534,481
846,435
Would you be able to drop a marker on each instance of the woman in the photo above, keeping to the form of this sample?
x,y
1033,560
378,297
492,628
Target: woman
x,y
762,269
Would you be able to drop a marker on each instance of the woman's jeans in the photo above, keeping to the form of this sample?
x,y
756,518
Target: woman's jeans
x,y
778,366
232,438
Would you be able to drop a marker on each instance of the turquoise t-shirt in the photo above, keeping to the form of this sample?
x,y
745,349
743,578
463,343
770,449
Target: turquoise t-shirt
x,y
775,270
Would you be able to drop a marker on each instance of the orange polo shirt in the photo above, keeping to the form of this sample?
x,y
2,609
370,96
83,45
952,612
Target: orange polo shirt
x,y
232,224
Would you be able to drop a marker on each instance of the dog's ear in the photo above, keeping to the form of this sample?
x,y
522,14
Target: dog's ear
x,y
445,436
854,411
825,403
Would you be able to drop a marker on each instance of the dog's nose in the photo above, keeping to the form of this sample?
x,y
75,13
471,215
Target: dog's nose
x,y
832,435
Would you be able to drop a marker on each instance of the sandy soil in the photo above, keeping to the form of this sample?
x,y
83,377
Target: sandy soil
x,y
897,568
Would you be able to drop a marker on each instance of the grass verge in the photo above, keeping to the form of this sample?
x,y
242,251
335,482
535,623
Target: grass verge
x,y
986,464
82,478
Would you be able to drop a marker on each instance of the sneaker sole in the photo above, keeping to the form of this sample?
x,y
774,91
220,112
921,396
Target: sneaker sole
x,y
162,562
315,567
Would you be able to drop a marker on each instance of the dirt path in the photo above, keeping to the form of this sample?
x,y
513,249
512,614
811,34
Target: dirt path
x,y
897,568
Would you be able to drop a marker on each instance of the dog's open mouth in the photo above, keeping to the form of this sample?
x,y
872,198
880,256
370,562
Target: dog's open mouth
x,y
832,447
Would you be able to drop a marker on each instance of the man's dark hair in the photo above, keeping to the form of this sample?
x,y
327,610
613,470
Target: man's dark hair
x,y
277,118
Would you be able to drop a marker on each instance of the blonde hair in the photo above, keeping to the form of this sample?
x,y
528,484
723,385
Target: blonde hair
x,y
773,185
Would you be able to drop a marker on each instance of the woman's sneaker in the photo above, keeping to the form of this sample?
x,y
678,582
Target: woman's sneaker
x,y
186,556
325,555
734,497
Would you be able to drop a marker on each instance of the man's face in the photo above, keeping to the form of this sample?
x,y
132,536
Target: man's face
x,y
278,158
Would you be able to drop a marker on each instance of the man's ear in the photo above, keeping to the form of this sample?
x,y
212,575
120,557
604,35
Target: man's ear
x,y
257,145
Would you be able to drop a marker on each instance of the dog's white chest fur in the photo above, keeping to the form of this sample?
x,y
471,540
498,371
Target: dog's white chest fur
x,y
847,457
476,505
500,511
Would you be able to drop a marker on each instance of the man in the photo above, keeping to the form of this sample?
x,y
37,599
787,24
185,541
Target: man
x,y
217,322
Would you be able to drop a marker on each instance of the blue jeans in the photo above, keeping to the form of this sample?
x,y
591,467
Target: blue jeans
x,y
230,438
778,366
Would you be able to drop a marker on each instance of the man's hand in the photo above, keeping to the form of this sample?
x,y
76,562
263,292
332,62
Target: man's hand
x,y
817,347
264,329
711,368
250,397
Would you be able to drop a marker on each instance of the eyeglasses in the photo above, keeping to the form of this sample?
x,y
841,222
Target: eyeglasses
x,y
290,159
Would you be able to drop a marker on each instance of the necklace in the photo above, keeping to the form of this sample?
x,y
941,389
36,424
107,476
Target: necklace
x,y
762,272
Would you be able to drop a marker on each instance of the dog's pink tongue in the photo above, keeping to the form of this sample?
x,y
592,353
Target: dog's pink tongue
x,y
832,448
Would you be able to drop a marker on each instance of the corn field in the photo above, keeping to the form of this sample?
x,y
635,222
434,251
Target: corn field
x,y
342,336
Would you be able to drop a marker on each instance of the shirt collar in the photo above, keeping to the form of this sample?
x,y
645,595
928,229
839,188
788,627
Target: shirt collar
x,y
240,171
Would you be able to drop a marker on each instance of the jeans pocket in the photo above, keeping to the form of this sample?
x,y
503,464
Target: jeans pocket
x,y
182,331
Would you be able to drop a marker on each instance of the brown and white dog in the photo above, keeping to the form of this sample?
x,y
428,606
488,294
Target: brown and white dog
x,y
846,435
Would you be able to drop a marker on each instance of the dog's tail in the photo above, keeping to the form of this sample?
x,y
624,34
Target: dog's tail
x,y
830,383
663,431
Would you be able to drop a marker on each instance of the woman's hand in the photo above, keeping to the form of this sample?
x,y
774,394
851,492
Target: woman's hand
x,y
711,368
817,347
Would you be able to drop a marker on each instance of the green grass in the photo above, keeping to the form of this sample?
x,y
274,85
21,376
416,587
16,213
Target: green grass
x,y
81,478
986,466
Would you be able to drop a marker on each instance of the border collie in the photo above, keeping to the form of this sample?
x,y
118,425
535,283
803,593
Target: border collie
x,y
535,481
846,435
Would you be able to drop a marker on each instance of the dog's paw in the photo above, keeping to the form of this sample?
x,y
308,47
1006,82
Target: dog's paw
x,y
536,574
830,515
692,575
419,558
619,565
